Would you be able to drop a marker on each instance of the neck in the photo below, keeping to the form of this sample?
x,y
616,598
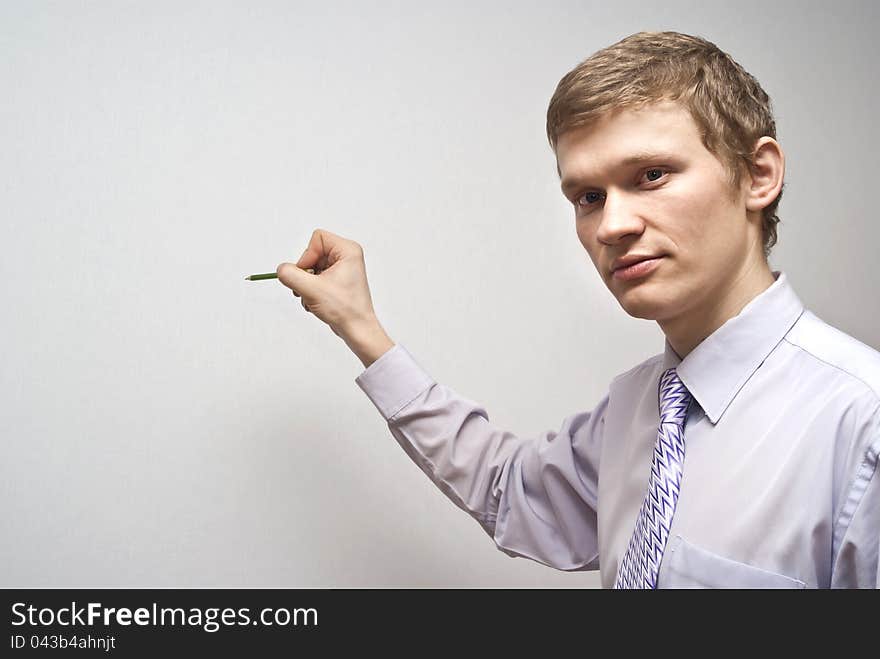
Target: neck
x,y
687,331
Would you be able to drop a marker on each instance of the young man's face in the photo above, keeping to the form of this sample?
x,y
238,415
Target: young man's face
x,y
643,184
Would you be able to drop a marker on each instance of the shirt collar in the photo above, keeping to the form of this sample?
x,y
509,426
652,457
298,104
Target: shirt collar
x,y
723,362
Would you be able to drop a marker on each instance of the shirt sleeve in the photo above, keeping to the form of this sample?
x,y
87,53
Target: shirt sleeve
x,y
536,497
857,564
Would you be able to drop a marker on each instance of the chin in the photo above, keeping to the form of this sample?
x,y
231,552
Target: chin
x,y
643,311
645,302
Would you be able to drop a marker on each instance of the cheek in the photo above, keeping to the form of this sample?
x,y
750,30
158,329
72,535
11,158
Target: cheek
x,y
697,221
587,238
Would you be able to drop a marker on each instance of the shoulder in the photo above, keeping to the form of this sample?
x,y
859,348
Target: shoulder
x,y
643,371
837,352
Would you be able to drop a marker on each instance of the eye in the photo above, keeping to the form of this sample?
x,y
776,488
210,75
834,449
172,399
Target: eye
x,y
588,198
654,174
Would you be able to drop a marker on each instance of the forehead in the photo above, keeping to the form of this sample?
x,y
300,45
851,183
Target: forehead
x,y
626,137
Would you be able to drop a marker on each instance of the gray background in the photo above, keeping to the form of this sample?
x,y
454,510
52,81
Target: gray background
x,y
165,422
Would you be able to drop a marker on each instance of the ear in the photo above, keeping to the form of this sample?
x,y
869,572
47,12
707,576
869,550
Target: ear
x,y
767,173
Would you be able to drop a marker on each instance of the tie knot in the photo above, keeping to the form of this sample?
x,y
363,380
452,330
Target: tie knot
x,y
673,397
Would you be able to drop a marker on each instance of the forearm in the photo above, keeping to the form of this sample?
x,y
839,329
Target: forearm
x,y
368,340
534,496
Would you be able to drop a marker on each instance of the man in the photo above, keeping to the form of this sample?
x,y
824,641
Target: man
x,y
745,454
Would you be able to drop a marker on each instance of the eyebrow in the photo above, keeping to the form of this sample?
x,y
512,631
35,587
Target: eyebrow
x,y
569,184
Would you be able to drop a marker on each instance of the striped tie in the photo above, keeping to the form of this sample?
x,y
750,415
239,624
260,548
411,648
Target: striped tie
x,y
640,564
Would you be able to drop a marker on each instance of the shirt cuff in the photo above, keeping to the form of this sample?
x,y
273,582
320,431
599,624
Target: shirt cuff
x,y
393,381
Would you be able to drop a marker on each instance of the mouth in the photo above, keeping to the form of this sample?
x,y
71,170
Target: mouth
x,y
637,269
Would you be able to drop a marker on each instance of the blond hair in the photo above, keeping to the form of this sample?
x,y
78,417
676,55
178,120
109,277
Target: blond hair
x,y
730,108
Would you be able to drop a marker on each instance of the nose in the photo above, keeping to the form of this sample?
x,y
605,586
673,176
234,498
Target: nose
x,y
620,218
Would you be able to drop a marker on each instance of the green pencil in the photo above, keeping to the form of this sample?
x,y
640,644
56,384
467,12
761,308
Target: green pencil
x,y
272,275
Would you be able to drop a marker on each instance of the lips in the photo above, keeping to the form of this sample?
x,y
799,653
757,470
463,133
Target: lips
x,y
631,259
637,268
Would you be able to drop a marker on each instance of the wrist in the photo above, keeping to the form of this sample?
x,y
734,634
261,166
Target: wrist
x,y
368,340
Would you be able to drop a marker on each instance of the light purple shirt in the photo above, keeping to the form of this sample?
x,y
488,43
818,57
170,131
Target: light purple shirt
x,y
780,486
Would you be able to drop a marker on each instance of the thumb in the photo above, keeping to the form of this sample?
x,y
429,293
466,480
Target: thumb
x,y
296,279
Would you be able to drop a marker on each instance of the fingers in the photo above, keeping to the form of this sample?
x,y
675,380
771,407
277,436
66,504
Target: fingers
x,y
317,249
287,277
302,302
325,248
